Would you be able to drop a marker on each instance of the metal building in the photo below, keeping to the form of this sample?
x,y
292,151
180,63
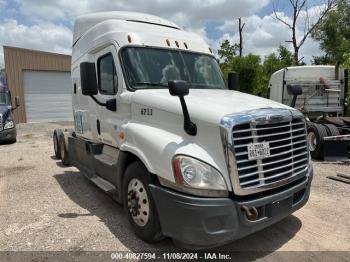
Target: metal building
x,y
42,81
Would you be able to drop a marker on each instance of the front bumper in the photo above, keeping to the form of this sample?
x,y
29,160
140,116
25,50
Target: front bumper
x,y
207,222
8,134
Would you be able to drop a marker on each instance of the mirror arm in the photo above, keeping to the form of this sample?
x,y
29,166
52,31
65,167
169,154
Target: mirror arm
x,y
294,101
189,126
97,102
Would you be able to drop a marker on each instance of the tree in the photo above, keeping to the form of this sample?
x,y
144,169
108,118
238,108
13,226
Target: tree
x,y
299,6
249,70
333,33
273,62
253,75
285,56
227,51
323,60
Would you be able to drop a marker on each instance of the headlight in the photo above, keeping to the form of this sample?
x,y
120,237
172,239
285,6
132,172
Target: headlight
x,y
9,125
193,173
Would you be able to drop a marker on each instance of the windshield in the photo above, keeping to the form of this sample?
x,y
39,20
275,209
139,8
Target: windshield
x,y
153,68
4,99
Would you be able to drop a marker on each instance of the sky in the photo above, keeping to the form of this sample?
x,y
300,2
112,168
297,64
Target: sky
x,y
48,25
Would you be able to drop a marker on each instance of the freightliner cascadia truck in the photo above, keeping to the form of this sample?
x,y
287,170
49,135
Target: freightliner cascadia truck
x,y
7,122
158,128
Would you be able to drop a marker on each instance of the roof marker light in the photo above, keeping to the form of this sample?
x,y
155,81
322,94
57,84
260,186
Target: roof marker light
x,y
168,42
211,51
177,44
185,45
129,38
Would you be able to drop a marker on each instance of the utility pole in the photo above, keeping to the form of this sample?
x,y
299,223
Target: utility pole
x,y
240,27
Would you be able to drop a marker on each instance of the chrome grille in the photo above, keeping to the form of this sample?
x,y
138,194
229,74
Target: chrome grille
x,y
284,130
288,152
1,122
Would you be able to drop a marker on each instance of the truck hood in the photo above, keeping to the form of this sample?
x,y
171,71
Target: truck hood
x,y
203,104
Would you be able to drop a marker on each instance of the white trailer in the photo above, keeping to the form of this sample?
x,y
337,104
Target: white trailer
x,y
157,128
320,93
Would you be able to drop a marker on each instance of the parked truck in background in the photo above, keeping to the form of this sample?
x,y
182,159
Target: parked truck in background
x,y
320,92
158,129
7,122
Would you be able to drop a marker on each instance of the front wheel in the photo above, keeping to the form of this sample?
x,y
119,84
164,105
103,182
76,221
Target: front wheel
x,y
139,204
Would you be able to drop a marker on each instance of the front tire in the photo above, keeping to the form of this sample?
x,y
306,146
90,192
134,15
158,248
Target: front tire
x,y
139,204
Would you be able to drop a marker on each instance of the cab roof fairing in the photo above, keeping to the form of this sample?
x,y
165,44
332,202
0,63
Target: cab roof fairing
x,y
141,34
84,22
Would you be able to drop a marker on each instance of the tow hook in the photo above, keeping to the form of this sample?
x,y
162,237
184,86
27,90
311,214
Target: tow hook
x,y
251,212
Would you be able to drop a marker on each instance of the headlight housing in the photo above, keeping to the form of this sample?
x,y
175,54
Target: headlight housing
x,y
9,125
192,173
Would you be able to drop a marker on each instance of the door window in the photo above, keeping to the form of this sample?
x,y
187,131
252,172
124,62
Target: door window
x,y
107,75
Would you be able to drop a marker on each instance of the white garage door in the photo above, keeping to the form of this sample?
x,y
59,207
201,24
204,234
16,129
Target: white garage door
x,y
47,96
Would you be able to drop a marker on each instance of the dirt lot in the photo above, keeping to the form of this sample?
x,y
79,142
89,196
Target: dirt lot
x,y
45,206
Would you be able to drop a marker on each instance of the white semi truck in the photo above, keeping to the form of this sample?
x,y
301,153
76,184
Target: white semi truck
x,y
157,128
320,92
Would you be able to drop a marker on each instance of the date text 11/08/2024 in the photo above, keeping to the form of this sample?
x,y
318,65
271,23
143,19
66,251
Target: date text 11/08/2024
x,y
170,256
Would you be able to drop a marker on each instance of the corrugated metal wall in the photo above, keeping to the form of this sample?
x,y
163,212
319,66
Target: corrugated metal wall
x,y
18,59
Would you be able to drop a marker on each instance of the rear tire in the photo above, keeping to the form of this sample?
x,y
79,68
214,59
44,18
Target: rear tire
x,y
63,151
56,144
315,135
139,204
332,130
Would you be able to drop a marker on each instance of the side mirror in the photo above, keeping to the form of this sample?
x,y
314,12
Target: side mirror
x,y
88,79
111,104
17,101
180,88
232,81
294,90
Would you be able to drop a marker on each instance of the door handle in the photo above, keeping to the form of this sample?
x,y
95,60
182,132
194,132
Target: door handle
x,y
98,125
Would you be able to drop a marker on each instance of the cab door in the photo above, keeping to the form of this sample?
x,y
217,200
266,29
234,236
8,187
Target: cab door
x,y
109,89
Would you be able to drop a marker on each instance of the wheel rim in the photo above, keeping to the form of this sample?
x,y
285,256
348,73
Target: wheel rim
x,y
311,138
138,202
55,143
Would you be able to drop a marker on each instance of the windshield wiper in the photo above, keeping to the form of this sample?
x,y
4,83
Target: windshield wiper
x,y
204,86
151,84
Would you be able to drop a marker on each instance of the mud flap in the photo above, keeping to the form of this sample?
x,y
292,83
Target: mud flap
x,y
335,151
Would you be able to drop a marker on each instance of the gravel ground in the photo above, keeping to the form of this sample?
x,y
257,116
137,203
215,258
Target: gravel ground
x,y
47,207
